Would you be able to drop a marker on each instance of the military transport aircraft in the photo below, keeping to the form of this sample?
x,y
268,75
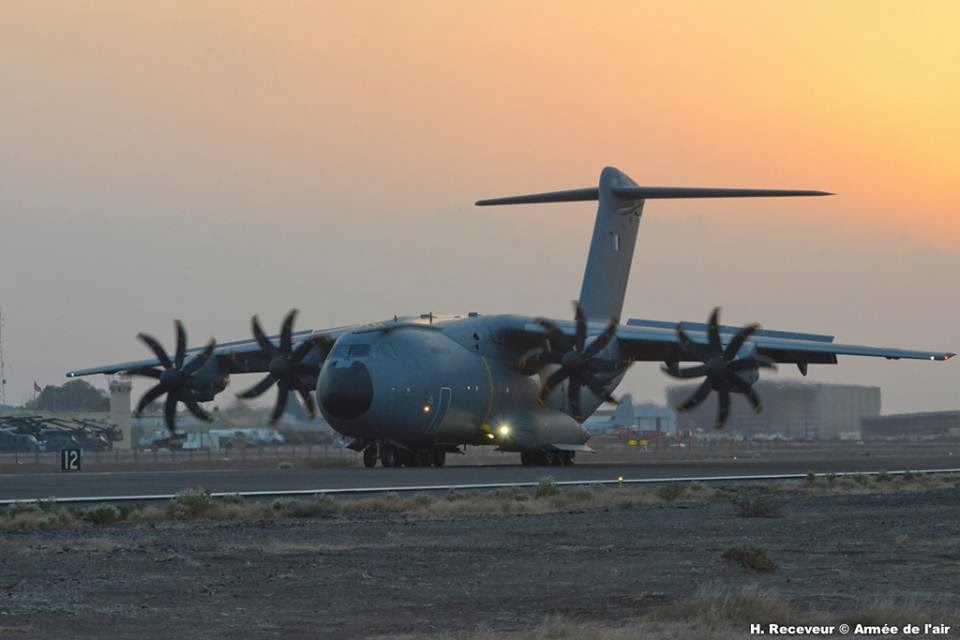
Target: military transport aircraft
x,y
411,389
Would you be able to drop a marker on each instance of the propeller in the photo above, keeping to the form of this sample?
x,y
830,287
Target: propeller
x,y
578,361
723,370
287,368
173,377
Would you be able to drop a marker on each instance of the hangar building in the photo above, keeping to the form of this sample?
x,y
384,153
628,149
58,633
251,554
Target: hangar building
x,y
791,409
919,426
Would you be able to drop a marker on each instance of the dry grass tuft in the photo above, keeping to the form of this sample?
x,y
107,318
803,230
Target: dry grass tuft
x,y
758,502
749,556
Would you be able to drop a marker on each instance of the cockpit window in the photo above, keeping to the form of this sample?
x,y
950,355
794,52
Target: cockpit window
x,y
358,351
340,351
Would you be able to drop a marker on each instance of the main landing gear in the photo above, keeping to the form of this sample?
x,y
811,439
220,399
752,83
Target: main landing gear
x,y
391,455
551,458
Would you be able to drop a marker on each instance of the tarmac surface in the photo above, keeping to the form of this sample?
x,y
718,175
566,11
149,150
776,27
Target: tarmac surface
x,y
32,486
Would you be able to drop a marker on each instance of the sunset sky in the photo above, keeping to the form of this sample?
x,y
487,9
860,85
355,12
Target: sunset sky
x,y
212,160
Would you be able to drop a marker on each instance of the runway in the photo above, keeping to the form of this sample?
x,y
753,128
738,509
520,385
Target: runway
x,y
36,486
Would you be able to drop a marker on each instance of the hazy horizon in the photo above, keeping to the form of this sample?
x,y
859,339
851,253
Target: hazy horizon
x,y
209,161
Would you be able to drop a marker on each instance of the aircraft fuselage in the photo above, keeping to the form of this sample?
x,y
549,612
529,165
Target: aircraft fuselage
x,y
444,382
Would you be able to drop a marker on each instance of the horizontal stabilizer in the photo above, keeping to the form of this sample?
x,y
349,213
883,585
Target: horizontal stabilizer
x,y
648,193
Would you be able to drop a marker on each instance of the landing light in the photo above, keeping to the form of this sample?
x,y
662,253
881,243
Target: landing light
x,y
491,436
426,408
504,429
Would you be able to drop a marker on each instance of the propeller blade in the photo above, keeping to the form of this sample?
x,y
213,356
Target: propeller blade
x,y
723,412
551,383
283,391
262,339
602,340
181,344
698,396
742,336
687,344
157,349
581,319
306,396
554,335
741,386
307,346
152,394
259,388
200,359
194,407
573,398
598,389
170,413
286,332
713,331
675,371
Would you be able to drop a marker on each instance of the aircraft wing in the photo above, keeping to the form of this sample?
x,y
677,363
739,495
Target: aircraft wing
x,y
652,341
238,356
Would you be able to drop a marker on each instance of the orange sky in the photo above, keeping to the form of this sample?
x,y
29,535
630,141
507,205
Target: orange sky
x,y
860,98
326,144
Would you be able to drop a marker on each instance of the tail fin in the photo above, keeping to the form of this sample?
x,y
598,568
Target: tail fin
x,y
615,231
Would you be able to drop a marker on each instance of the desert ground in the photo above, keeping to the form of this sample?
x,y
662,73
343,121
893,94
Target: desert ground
x,y
603,563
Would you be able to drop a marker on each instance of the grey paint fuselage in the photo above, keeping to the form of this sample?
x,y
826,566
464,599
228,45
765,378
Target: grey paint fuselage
x,y
449,382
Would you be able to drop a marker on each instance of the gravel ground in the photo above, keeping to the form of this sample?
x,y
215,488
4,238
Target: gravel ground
x,y
383,575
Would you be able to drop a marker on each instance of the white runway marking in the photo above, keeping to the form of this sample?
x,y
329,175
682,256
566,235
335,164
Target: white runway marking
x,y
469,487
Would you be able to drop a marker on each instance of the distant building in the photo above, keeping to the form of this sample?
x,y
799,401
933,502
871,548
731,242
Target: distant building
x,y
654,417
791,409
919,426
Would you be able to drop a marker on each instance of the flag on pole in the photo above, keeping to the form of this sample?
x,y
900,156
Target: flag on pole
x,y
36,387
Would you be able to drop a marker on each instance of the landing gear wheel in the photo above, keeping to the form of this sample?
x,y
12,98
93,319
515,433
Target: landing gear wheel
x,y
403,458
567,458
438,457
527,458
370,456
552,458
388,455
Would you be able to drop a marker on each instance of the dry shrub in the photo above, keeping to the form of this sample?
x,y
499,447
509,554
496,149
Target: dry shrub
x,y
546,488
190,504
749,556
322,506
758,502
719,604
671,492
101,514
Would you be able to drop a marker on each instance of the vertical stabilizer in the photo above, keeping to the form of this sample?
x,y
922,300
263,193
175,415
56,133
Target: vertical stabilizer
x,y
615,232
611,249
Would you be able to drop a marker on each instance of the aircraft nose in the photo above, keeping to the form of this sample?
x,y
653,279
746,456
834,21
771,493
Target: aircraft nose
x,y
345,392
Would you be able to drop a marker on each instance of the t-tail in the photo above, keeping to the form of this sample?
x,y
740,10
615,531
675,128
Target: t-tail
x,y
621,203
